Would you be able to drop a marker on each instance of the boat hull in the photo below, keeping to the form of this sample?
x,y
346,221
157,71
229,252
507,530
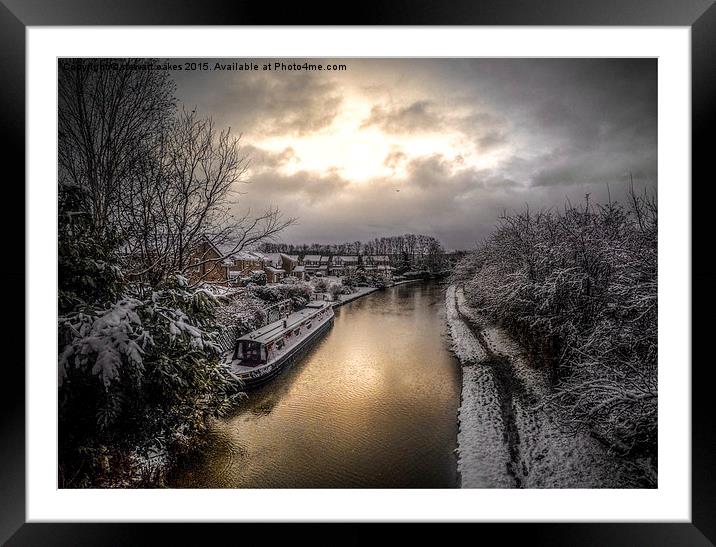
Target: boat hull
x,y
263,375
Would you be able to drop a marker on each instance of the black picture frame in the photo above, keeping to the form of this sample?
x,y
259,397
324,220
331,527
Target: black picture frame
x,y
16,15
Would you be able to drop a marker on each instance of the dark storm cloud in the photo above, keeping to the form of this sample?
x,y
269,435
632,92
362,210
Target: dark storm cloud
x,y
487,131
295,103
588,120
308,186
491,139
418,116
261,159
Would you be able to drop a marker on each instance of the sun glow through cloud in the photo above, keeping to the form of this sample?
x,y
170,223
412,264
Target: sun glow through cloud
x,y
358,153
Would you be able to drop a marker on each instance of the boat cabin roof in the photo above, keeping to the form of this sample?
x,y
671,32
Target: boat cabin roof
x,y
276,329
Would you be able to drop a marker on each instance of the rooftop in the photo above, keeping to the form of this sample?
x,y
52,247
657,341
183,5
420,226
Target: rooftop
x,y
276,329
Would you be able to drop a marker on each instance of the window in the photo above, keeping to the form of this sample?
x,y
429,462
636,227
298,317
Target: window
x,y
251,353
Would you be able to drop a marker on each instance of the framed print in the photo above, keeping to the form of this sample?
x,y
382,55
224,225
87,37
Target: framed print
x,y
405,268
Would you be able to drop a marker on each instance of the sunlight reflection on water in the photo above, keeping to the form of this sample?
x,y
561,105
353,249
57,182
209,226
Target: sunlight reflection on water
x,y
374,404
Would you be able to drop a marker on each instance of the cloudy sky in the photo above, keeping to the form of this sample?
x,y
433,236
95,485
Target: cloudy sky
x,y
433,146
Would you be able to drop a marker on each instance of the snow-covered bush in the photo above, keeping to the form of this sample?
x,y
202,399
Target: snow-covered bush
x,y
258,278
335,289
141,375
320,284
299,292
579,290
241,313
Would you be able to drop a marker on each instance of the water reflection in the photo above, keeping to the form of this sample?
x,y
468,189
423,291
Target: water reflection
x,y
373,404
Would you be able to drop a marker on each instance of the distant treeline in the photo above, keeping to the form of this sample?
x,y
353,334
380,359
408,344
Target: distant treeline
x,y
578,288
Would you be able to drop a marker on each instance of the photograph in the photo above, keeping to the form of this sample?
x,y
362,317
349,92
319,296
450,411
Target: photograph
x,y
366,273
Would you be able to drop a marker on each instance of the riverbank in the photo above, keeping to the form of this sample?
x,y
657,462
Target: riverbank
x,y
360,292
405,281
364,291
505,437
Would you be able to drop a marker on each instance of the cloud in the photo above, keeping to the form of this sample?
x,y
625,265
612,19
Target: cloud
x,y
261,159
395,158
438,196
486,130
266,103
417,116
310,186
590,167
491,140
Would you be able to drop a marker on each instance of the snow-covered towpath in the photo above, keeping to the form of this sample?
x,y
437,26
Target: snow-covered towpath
x,y
506,439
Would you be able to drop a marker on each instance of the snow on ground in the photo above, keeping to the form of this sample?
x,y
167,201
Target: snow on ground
x,y
506,438
464,344
403,282
482,453
360,291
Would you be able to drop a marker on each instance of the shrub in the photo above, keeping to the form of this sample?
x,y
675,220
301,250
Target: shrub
x,y
258,278
299,292
579,290
136,379
335,290
320,284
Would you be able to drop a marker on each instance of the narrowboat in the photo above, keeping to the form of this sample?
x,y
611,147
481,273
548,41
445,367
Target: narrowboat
x,y
259,356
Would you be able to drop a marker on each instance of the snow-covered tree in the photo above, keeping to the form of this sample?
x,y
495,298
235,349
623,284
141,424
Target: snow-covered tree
x,y
139,368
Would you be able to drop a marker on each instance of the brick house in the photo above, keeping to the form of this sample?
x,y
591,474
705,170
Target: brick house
x,y
206,263
292,266
244,263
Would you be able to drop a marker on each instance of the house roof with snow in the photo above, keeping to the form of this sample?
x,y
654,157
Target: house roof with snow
x,y
312,258
349,259
230,250
274,258
246,255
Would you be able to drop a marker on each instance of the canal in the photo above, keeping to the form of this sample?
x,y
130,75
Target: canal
x,y
373,405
